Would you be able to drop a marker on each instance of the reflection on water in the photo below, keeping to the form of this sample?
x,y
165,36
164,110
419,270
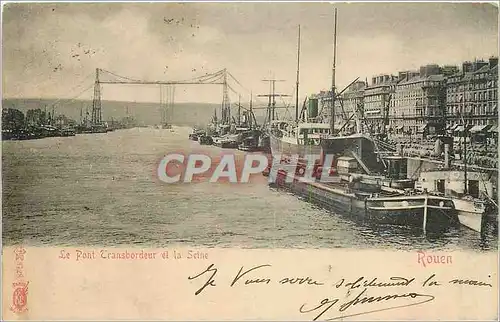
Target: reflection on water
x,y
101,190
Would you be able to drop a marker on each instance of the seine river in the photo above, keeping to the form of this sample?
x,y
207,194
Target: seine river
x,y
102,190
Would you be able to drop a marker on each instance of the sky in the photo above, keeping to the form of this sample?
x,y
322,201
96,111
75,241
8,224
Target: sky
x,y
53,50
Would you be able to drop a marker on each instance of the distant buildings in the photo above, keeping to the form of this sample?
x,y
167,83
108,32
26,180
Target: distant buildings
x,y
12,119
351,104
418,102
430,100
377,97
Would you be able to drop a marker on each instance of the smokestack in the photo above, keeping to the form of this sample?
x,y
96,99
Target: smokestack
x,y
446,156
399,149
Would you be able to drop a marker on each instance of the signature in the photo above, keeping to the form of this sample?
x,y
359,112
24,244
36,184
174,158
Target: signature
x,y
259,275
326,304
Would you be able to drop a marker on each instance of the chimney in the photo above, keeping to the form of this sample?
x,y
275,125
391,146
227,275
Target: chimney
x,y
467,67
423,71
493,62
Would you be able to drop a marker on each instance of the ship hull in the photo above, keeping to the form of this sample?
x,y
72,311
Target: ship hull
x,y
469,215
403,211
285,147
470,220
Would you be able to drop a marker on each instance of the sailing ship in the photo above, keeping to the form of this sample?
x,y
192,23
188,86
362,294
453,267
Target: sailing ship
x,y
250,139
302,136
354,188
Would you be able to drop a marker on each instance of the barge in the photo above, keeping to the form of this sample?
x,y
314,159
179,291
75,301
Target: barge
x,y
381,204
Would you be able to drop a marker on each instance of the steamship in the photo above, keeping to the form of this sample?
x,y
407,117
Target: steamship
x,y
297,139
360,182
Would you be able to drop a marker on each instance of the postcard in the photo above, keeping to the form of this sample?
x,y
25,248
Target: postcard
x,y
249,161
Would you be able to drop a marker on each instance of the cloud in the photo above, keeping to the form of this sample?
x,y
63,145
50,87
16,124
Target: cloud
x,y
49,49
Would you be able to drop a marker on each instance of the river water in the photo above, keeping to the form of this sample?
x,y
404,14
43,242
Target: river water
x,y
102,190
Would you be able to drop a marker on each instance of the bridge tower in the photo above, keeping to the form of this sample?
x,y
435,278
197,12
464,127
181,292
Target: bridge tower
x,y
96,103
226,103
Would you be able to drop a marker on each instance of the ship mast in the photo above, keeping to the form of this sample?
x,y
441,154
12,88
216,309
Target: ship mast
x,y
251,112
464,136
297,83
332,118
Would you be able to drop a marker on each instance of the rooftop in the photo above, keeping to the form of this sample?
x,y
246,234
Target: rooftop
x,y
418,79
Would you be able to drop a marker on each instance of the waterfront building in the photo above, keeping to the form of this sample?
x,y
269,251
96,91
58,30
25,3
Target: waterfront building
x,y
472,97
347,105
422,102
350,105
417,107
377,97
449,70
324,98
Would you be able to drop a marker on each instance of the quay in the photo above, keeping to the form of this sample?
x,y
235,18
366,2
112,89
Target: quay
x,y
416,165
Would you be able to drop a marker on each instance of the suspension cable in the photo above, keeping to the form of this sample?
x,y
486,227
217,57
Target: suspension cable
x,y
74,88
203,77
77,96
237,82
119,76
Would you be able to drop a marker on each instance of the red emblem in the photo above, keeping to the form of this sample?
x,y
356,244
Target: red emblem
x,y
20,297
20,251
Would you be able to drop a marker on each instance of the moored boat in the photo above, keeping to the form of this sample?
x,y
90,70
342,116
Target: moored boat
x,y
471,212
471,208
196,134
205,140
67,132
250,141
385,206
301,139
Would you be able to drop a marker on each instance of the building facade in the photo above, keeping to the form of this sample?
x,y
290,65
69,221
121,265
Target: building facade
x,y
350,105
418,103
472,94
377,98
426,101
